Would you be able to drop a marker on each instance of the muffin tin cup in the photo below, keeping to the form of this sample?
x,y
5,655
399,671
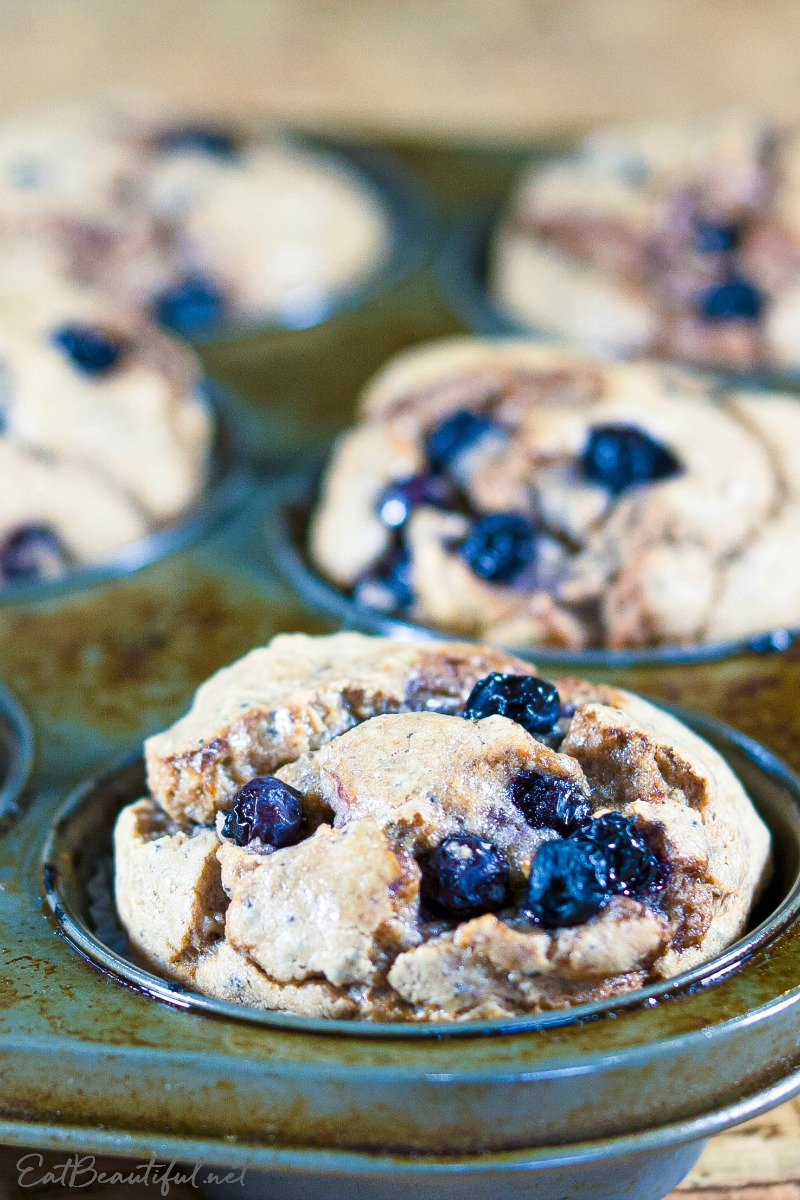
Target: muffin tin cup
x,y
16,755
461,272
297,383
751,682
227,486
650,1072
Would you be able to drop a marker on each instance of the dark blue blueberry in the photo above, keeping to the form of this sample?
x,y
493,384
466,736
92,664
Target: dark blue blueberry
x,y
193,305
734,300
455,433
199,139
397,501
92,350
32,552
715,237
499,546
389,585
631,865
266,809
622,456
551,801
465,876
565,885
609,856
533,703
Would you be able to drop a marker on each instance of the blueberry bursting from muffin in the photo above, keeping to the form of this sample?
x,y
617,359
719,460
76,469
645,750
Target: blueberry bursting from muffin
x,y
572,877
499,547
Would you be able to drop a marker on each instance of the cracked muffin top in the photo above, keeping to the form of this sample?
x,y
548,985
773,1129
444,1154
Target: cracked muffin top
x,y
195,221
104,433
532,495
347,826
678,240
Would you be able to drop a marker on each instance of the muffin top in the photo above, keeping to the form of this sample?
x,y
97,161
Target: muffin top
x,y
355,827
196,222
537,496
105,434
680,240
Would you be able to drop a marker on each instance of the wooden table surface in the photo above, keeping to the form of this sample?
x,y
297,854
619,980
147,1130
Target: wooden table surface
x,y
468,68
464,70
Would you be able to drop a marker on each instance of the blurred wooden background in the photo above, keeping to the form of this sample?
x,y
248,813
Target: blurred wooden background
x,y
475,69
464,70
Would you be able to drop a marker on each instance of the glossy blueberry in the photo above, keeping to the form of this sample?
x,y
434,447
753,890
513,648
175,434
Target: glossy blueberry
x,y
399,499
454,434
715,237
572,879
389,585
465,876
32,552
94,351
622,456
565,885
266,809
215,141
734,300
193,305
630,865
533,703
499,546
550,801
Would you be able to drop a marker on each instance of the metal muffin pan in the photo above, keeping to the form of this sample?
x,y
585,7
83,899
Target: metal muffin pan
x,y
298,384
92,1065
587,1098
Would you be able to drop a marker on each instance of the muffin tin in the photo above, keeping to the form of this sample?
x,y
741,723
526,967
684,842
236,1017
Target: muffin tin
x,y
98,1055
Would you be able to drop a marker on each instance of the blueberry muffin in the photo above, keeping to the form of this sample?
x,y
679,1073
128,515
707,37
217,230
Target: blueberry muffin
x,y
105,434
678,240
354,827
258,230
533,495
197,223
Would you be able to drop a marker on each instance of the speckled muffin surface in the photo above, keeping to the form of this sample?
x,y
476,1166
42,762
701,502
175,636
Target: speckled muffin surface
x,y
680,240
106,435
196,222
533,495
354,827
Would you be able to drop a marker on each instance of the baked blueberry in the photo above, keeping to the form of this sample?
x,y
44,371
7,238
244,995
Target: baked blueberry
x,y
454,434
389,585
265,809
32,552
499,546
631,866
532,702
622,456
734,300
715,237
193,305
551,801
566,885
399,499
94,351
213,140
465,876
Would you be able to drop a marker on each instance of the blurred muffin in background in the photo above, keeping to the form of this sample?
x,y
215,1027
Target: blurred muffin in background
x,y
195,222
105,435
531,495
679,240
